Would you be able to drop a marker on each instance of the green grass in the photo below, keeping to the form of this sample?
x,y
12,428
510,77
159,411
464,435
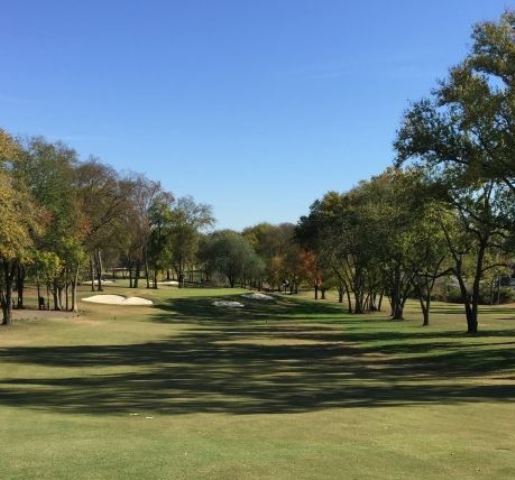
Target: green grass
x,y
290,389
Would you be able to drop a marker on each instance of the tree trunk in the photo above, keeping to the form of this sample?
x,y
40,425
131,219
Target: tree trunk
x,y
372,302
147,271
6,295
137,274
20,286
340,295
66,291
472,317
74,290
472,321
55,294
38,287
92,273
398,310
380,303
7,311
425,305
100,288
129,268
358,301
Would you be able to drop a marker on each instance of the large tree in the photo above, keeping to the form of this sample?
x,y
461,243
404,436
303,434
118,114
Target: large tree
x,y
463,136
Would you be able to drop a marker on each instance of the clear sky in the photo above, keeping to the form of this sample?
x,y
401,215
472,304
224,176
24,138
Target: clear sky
x,y
257,107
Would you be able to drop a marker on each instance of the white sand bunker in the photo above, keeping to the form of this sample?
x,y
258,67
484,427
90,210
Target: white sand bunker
x,y
117,300
257,296
173,283
227,303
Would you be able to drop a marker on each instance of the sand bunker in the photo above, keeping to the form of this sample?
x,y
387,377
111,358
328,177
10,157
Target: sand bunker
x,y
117,300
257,296
227,303
104,282
173,283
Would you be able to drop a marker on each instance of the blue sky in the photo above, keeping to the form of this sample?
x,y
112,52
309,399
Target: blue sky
x,y
256,107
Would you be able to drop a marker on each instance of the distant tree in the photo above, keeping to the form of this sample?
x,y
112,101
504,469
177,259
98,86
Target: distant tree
x,y
137,226
310,270
103,198
229,254
277,247
188,220
161,217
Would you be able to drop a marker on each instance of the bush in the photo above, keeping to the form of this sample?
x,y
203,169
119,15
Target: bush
x,y
452,295
489,296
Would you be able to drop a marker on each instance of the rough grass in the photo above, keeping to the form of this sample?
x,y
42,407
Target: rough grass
x,y
290,389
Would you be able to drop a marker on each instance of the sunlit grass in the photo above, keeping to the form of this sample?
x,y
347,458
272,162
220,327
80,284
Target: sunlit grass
x,y
289,389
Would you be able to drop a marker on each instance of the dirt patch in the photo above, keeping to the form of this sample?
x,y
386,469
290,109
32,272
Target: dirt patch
x,y
26,314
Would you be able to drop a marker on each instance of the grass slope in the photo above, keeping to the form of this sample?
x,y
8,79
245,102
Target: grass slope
x,y
290,389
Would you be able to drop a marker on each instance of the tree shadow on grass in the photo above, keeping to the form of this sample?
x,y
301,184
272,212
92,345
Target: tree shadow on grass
x,y
201,310
231,362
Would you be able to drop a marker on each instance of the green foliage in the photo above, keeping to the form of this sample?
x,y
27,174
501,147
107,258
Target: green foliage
x,y
230,255
188,221
466,128
276,246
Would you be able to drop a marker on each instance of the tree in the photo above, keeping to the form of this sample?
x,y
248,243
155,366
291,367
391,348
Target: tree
x,y
137,226
159,245
48,169
428,254
330,235
16,238
474,234
103,198
393,207
277,247
463,136
187,221
229,254
468,124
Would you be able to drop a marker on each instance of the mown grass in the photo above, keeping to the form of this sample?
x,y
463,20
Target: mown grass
x,y
289,389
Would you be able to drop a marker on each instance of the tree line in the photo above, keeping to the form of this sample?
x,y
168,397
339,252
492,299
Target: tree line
x,y
67,220
447,206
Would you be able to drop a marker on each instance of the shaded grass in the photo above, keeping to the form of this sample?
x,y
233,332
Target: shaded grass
x,y
286,389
